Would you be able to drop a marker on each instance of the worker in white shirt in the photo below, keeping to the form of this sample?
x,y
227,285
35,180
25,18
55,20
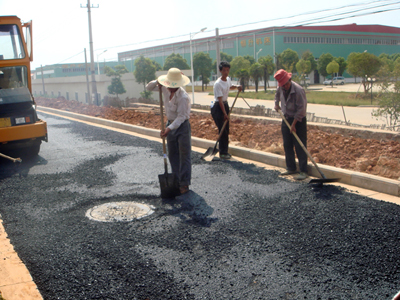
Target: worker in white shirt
x,y
178,131
220,108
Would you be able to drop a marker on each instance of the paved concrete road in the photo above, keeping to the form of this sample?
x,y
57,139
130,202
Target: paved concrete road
x,y
241,233
356,115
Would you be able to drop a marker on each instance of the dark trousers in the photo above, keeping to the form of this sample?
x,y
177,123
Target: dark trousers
x,y
290,142
218,117
179,145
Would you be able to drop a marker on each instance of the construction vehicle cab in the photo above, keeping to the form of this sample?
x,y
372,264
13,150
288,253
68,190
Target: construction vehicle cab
x,y
20,127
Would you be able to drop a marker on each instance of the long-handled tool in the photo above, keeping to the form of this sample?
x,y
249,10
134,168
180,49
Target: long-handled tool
x,y
319,180
10,158
211,152
168,182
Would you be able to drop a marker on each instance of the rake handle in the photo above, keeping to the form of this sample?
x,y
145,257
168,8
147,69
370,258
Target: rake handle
x,y
302,145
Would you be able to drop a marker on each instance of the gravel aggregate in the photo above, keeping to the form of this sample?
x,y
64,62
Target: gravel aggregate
x,y
242,232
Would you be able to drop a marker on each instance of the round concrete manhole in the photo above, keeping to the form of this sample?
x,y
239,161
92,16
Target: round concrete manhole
x,y
119,212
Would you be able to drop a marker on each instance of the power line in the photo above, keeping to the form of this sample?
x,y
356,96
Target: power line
x,y
302,23
310,22
69,57
311,13
308,13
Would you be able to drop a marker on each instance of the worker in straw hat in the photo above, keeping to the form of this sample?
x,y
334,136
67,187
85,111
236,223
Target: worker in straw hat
x,y
294,106
177,132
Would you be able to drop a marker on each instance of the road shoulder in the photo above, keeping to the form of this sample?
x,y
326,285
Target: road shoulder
x,y
15,280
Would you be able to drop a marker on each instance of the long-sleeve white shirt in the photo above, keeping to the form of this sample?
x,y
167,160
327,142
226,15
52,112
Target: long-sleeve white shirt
x,y
177,109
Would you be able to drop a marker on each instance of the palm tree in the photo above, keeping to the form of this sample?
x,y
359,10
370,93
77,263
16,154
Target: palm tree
x,y
243,76
256,73
268,66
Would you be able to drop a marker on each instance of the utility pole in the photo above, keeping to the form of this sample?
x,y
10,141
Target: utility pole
x,y
92,69
87,80
218,54
273,40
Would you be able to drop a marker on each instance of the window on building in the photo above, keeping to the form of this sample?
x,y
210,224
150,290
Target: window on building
x,y
228,44
201,47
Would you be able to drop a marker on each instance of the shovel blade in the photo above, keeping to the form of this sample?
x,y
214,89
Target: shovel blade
x,y
210,153
169,186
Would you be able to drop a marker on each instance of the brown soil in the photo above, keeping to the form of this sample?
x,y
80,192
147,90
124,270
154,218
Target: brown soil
x,y
377,157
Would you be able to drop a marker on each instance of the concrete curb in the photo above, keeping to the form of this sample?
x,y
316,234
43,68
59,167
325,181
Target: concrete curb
x,y
362,180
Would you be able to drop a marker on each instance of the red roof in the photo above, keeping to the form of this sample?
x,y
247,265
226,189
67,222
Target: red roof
x,y
354,27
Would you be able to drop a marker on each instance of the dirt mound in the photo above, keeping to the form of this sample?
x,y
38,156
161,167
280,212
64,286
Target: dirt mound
x,y
377,157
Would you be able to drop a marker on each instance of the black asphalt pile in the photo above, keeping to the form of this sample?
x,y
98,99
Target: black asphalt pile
x,y
242,232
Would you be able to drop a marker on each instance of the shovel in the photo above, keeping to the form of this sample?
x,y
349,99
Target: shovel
x,y
319,181
168,182
211,152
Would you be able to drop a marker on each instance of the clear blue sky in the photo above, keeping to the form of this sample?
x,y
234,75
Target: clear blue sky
x,y
60,27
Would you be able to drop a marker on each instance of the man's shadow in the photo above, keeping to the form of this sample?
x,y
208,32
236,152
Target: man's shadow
x,y
191,208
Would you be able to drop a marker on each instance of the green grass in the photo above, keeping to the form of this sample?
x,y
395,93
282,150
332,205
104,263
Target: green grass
x,y
318,97
198,89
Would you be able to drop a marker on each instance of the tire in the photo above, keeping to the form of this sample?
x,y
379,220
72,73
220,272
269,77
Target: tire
x,y
342,83
35,149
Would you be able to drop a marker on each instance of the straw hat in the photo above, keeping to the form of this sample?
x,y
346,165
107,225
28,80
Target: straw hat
x,y
282,77
173,79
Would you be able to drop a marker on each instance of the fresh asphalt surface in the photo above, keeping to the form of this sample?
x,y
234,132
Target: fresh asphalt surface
x,y
242,232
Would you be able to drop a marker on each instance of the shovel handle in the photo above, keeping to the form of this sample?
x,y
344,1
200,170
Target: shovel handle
x,y
162,129
302,145
226,121
10,158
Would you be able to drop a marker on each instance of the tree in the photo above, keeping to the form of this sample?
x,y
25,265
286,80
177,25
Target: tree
x,y
396,69
342,65
175,61
386,61
145,71
394,56
384,55
237,64
250,59
157,65
278,61
323,61
389,98
256,72
268,66
303,67
289,59
307,55
332,68
116,87
243,76
202,64
223,57
364,65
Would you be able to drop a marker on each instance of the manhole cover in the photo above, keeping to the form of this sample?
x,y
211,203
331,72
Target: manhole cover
x,y
119,212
